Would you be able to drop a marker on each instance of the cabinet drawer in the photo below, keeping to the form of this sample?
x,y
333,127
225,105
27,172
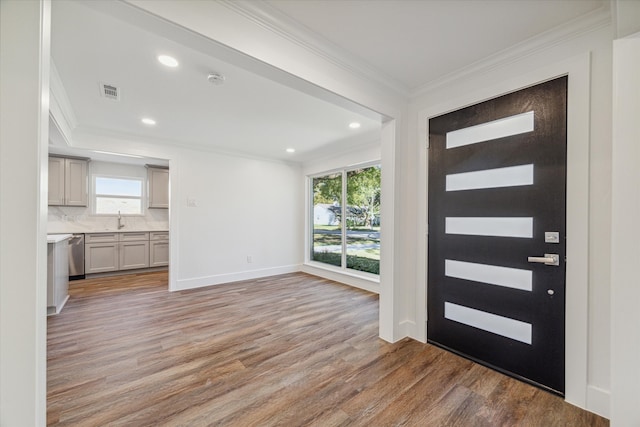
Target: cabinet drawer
x,y
101,238
134,236
159,235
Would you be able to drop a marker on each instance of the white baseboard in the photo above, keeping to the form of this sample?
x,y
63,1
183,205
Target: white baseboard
x,y
598,401
407,328
344,278
200,282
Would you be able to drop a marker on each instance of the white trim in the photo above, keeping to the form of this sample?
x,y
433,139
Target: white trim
x,y
578,140
625,233
309,222
389,323
218,279
270,18
61,110
598,401
567,31
405,327
345,278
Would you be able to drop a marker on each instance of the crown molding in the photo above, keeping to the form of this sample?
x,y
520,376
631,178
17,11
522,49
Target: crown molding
x,y
575,28
60,109
272,19
332,150
94,134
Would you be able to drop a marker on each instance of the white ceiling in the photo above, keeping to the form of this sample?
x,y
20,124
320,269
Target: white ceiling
x,y
416,42
248,114
410,43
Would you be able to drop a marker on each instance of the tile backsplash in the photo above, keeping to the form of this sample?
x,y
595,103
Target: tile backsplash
x,y
67,219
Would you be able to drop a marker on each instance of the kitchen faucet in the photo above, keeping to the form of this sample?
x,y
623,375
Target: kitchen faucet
x,y
120,224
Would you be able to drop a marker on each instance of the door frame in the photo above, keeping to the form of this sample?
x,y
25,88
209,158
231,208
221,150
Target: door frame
x,y
578,140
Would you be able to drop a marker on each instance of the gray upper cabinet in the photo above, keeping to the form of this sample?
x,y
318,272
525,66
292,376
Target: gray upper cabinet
x,y
158,178
68,181
56,181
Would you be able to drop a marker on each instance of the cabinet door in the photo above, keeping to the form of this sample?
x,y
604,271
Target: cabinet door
x,y
56,181
158,253
75,189
158,187
100,257
134,255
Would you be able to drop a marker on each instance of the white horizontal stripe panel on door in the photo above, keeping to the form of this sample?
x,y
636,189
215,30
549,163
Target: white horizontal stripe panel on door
x,y
501,128
512,176
492,274
490,226
504,326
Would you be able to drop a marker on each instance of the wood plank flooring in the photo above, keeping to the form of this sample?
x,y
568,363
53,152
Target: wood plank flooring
x,y
289,350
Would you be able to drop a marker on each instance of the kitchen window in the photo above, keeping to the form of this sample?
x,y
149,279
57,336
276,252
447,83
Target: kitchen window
x,y
115,195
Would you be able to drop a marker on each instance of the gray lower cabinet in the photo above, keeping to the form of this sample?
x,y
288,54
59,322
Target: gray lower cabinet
x,y
105,252
158,253
100,257
134,255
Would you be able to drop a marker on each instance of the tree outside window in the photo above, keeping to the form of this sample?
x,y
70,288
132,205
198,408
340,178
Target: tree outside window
x,y
356,245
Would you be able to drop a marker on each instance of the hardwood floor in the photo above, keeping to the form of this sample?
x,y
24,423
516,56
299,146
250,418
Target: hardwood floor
x,y
289,350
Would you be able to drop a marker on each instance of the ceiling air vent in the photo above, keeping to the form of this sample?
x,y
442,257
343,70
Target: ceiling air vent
x,y
109,91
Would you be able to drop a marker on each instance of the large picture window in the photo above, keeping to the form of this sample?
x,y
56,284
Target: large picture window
x,y
346,219
117,195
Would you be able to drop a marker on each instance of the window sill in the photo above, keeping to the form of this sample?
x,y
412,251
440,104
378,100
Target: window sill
x,y
368,282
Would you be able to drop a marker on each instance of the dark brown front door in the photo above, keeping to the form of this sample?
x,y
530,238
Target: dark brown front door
x,y
497,184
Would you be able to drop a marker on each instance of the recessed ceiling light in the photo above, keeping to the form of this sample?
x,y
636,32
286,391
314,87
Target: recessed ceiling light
x,y
291,150
167,60
354,125
148,121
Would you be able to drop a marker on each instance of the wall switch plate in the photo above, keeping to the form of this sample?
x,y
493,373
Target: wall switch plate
x,y
551,237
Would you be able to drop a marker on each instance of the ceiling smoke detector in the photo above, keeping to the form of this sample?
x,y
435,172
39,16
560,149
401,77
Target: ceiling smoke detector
x,y
215,78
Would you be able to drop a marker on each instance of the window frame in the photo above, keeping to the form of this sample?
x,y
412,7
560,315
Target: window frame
x,y
309,246
95,195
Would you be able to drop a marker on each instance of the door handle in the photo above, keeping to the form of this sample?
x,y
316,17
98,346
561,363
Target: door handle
x,y
547,259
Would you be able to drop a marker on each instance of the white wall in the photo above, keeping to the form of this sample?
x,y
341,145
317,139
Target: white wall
x,y
625,236
245,207
24,105
22,391
492,81
242,32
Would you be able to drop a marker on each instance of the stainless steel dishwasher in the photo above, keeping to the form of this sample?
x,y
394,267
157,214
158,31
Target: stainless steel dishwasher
x,y
76,257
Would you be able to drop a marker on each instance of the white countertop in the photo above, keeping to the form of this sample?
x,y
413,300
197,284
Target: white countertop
x,y
124,230
57,238
86,230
